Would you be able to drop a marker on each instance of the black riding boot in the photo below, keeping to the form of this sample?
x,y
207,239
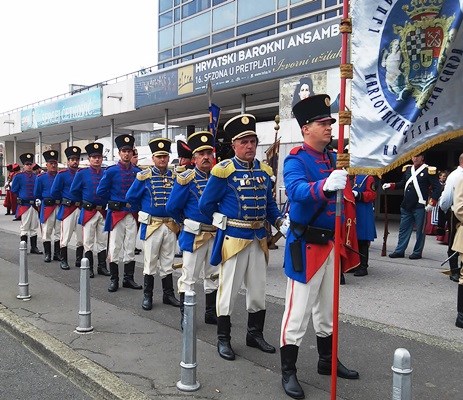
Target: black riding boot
x,y
128,281
89,256
182,308
364,246
168,296
289,380
324,360
255,337
459,321
64,258
223,338
210,316
148,284
114,279
56,251
47,251
102,269
79,255
34,248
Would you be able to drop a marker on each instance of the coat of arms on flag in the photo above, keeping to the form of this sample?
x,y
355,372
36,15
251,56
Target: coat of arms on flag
x,y
404,99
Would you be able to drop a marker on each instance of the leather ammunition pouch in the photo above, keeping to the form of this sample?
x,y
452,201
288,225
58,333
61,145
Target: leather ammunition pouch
x,y
89,206
116,205
312,234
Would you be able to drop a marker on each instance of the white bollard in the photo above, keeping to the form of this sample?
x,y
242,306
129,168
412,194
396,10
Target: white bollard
x,y
85,314
402,375
188,382
23,285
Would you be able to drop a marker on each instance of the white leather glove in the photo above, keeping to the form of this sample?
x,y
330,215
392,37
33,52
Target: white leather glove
x,y
38,202
429,207
386,186
355,193
336,181
284,227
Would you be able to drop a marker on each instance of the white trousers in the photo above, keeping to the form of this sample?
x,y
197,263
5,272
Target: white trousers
x,y
314,298
70,226
29,222
122,240
93,234
51,229
193,264
158,252
249,267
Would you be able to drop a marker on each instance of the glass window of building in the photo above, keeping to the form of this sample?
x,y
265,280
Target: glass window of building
x,y
165,39
282,3
164,5
197,44
177,34
330,3
165,19
217,2
223,17
298,1
256,24
195,6
251,9
306,8
196,27
224,35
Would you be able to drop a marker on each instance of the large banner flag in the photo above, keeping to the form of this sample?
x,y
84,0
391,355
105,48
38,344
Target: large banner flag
x,y
408,80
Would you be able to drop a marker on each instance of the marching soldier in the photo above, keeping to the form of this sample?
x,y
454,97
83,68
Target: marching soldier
x,y
48,206
198,233
23,187
150,190
121,217
92,215
69,210
238,197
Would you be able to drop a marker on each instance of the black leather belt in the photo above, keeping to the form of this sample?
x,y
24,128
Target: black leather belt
x,y
50,202
69,202
116,205
311,234
89,206
26,202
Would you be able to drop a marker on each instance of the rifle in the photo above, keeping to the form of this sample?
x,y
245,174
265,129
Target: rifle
x,y
386,224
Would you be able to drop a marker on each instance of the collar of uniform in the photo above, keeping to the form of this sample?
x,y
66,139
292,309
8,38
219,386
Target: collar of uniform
x,y
244,164
126,166
156,170
315,153
202,174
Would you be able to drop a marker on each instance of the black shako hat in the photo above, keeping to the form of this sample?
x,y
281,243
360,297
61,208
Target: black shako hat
x,y
183,149
94,149
240,126
160,146
72,151
26,158
50,155
125,142
202,140
313,108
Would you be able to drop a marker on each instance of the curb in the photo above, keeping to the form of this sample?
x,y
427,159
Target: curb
x,y
92,378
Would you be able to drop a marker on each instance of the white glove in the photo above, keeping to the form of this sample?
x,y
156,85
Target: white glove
x,y
336,181
284,225
355,193
38,202
386,186
429,207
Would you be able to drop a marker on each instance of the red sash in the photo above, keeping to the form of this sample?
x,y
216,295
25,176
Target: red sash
x,y
88,215
315,256
68,211
117,216
20,210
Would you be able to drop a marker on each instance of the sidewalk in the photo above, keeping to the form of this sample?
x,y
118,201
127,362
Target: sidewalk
x,y
135,354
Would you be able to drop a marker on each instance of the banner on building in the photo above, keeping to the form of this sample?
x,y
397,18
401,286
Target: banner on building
x,y
406,91
77,107
312,48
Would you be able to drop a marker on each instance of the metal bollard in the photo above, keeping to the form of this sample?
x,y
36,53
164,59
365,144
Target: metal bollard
x,y
85,314
23,284
402,376
188,382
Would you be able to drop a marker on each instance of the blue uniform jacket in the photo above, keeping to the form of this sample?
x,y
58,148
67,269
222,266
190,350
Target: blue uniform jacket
x,y
242,193
364,207
150,191
23,186
183,203
42,190
305,171
61,188
114,185
84,187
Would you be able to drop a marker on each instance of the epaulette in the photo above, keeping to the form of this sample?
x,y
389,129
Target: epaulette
x,y
404,168
266,168
223,169
432,170
295,150
186,176
143,175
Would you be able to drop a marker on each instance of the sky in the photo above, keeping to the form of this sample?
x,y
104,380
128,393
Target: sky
x,y
49,44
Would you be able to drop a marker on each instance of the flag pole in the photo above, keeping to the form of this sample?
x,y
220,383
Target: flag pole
x,y
342,161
